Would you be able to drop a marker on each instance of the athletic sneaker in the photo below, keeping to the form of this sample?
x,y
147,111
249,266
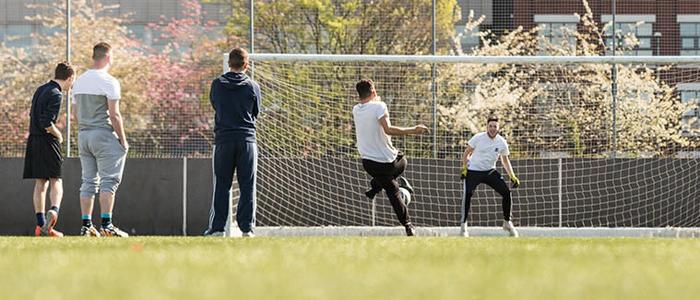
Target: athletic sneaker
x,y
403,182
111,230
370,194
89,231
55,233
463,230
248,234
510,228
410,229
214,233
48,228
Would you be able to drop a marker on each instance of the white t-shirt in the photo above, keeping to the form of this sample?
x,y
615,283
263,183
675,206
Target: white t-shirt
x,y
91,93
372,142
97,82
486,151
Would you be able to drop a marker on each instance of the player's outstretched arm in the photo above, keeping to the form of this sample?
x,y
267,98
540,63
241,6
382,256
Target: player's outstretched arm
x,y
395,130
509,169
465,161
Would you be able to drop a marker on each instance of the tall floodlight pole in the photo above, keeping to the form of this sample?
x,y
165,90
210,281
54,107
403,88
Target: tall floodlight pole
x,y
68,102
614,80
434,84
252,36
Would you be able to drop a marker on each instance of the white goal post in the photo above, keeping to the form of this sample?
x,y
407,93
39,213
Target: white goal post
x,y
600,152
472,59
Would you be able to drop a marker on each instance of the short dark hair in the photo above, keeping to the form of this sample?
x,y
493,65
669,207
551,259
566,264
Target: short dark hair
x,y
364,88
492,119
63,71
237,58
100,50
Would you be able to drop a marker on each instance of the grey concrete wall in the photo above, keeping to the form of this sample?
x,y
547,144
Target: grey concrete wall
x,y
313,192
149,199
199,195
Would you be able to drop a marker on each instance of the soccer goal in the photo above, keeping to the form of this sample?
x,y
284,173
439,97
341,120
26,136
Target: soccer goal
x,y
603,145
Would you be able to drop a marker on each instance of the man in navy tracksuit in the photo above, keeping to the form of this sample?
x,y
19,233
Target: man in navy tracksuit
x,y
236,101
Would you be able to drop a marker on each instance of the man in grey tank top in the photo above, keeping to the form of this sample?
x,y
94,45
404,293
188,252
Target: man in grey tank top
x,y
102,141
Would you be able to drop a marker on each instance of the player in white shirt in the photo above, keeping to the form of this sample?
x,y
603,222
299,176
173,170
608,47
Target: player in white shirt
x,y
379,157
479,166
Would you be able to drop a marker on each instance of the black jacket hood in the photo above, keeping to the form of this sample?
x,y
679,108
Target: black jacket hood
x,y
233,80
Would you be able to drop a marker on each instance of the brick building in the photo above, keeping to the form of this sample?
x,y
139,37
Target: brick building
x,y
16,30
663,27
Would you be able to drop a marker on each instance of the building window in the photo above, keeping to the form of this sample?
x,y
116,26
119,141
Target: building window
x,y
627,28
469,39
557,32
142,33
690,123
625,32
690,38
558,35
215,13
19,36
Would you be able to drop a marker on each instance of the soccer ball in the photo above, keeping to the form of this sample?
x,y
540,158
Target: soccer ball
x,y
405,196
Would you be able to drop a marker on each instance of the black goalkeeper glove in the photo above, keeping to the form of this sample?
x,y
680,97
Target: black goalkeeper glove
x,y
463,173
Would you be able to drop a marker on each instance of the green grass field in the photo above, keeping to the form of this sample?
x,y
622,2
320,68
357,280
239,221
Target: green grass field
x,y
352,267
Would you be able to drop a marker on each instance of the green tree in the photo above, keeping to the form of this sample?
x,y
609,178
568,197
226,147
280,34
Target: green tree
x,y
164,89
309,104
344,27
25,69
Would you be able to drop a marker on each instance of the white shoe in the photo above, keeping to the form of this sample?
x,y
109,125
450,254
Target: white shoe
x,y
463,230
111,230
248,234
510,228
89,231
214,233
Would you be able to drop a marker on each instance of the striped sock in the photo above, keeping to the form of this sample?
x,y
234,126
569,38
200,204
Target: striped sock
x,y
87,220
106,219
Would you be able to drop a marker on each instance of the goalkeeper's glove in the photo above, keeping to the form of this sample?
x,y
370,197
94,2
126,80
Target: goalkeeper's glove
x,y
515,181
463,173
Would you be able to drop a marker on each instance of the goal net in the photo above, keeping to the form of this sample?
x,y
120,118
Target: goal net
x,y
596,141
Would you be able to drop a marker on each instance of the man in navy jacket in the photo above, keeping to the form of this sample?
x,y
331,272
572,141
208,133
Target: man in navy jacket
x,y
236,101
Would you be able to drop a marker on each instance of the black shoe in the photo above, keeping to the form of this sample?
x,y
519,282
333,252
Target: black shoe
x,y
410,229
403,182
370,194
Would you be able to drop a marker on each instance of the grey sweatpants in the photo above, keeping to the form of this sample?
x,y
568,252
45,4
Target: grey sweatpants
x,y
102,159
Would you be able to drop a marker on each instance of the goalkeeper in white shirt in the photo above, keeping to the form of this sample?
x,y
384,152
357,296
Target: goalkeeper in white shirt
x,y
379,157
479,166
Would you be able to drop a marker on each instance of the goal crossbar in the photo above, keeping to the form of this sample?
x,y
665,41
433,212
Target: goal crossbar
x,y
477,59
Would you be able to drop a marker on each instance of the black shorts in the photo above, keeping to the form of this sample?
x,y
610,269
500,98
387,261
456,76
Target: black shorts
x,y
393,169
43,159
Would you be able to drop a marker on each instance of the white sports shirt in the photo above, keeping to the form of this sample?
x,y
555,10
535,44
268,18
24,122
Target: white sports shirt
x,y
372,142
97,82
486,151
